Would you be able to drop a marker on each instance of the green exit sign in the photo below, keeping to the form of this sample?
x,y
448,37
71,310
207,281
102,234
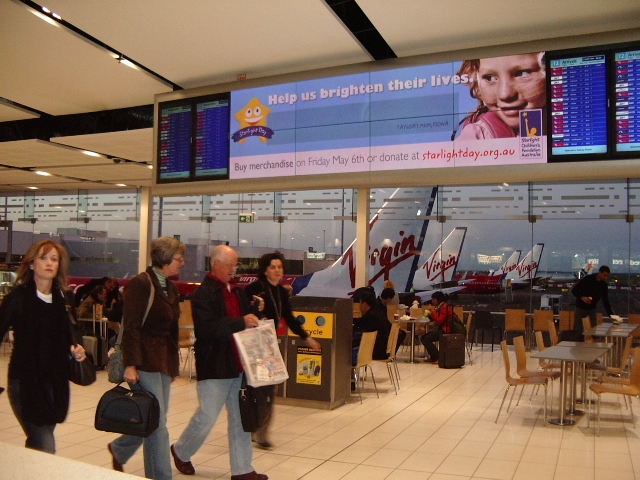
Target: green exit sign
x,y
245,217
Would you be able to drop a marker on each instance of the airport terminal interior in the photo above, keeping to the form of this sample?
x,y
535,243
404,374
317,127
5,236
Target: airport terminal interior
x,y
86,93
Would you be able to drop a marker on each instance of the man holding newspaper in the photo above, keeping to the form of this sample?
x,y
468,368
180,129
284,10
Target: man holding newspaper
x,y
220,308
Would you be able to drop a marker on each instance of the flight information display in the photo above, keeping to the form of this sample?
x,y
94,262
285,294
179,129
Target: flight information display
x,y
212,139
174,143
579,105
627,101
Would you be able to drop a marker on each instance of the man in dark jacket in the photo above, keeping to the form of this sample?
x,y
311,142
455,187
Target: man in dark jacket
x,y
588,291
373,320
220,308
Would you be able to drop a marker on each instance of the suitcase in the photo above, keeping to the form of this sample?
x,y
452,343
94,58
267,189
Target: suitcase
x,y
98,348
452,351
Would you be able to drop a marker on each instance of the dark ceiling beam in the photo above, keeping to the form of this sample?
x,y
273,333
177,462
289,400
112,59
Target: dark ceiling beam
x,y
352,16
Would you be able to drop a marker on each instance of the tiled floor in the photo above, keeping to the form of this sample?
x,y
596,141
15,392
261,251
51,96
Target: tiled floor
x,y
440,426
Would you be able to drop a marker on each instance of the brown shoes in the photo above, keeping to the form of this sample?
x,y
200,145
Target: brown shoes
x,y
250,476
117,466
185,468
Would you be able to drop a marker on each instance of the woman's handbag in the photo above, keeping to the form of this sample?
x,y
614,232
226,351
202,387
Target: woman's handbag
x,y
255,405
130,412
115,365
82,373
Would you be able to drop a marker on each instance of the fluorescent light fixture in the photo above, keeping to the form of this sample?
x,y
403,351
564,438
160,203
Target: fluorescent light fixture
x,y
32,188
91,154
44,174
121,184
127,62
44,17
150,167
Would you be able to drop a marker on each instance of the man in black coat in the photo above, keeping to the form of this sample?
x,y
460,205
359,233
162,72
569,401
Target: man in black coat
x,y
373,320
588,291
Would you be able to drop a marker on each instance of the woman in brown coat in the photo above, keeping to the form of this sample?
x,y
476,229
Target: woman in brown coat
x,y
150,351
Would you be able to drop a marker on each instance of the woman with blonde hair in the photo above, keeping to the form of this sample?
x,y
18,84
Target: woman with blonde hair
x,y
36,308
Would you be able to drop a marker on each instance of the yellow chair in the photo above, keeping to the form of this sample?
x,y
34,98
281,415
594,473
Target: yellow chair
x,y
630,390
391,311
365,358
523,381
586,325
567,318
186,334
544,364
542,319
459,311
515,320
356,310
521,365
391,350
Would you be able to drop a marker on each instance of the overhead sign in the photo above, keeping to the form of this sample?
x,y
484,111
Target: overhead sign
x,y
316,255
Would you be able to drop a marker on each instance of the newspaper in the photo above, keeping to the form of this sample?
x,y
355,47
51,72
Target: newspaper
x,y
260,355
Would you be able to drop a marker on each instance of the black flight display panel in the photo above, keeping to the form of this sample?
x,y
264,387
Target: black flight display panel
x,y
212,139
174,143
627,101
578,95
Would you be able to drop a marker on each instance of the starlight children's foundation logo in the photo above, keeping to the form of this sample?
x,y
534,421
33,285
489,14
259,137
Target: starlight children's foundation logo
x,y
531,145
253,122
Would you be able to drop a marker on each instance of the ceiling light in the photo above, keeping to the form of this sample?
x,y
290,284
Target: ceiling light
x,y
125,61
44,174
121,184
150,167
90,153
44,17
32,188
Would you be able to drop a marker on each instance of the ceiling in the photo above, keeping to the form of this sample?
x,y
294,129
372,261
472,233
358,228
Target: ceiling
x,y
51,70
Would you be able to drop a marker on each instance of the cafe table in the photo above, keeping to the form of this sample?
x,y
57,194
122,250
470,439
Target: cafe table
x,y
575,353
412,327
615,333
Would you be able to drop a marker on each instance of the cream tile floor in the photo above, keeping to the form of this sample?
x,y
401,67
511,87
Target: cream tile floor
x,y
440,426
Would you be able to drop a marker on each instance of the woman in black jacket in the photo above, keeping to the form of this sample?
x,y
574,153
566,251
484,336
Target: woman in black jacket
x,y
278,308
43,345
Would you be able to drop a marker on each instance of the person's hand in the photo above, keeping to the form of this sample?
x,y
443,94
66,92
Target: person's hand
x,y
78,352
313,344
259,302
131,374
250,320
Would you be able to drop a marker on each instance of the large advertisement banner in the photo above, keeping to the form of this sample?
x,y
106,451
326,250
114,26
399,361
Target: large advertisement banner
x,y
475,112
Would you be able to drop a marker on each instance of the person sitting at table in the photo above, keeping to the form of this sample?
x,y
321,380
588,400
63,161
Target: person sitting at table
x,y
373,319
386,298
440,314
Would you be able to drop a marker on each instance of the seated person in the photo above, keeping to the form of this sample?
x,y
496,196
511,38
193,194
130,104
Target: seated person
x,y
357,294
386,298
373,320
110,283
440,314
97,296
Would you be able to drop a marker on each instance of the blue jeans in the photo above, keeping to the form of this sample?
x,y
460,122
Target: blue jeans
x,y
157,464
39,437
212,395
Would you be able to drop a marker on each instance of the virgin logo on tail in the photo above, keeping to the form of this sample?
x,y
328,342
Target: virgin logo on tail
x,y
395,240
528,267
442,263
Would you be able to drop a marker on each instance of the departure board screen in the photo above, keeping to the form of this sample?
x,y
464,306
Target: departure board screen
x,y
578,95
174,143
627,101
212,139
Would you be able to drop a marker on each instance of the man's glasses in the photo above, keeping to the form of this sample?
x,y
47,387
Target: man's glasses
x,y
179,259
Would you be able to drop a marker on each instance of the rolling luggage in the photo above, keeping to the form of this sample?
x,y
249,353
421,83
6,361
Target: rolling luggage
x,y
452,351
97,344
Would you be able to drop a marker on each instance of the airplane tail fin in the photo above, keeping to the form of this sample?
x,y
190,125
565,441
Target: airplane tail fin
x,y
395,241
528,267
510,265
441,265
